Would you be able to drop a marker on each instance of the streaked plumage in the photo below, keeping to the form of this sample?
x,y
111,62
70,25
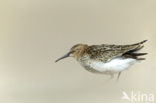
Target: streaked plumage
x,y
105,58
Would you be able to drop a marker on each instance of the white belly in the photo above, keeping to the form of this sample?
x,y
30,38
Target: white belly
x,y
115,65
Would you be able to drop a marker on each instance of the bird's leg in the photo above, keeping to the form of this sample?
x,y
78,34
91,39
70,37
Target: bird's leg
x,y
118,75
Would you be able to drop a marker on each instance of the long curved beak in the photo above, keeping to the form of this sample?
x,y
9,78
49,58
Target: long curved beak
x,y
65,56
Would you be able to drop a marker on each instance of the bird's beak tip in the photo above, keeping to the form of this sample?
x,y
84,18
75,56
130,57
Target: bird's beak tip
x,y
65,56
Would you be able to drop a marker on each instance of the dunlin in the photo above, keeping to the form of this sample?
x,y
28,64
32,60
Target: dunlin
x,y
105,58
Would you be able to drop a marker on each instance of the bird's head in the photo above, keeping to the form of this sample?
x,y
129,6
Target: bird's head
x,y
76,51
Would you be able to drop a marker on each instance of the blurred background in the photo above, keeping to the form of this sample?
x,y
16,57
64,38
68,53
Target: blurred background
x,y
34,33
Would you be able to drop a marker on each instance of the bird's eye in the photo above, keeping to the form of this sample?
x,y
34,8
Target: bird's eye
x,y
76,50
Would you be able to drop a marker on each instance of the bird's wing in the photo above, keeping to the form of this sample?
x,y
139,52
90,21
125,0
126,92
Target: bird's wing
x,y
107,52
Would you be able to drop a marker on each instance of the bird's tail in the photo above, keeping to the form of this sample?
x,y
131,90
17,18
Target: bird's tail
x,y
133,53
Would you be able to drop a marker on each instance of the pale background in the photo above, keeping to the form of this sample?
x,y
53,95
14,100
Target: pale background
x,y
34,33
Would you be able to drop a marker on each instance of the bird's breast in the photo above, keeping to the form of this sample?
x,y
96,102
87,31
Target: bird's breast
x,y
115,65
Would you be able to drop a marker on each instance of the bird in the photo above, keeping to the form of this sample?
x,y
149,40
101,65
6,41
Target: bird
x,y
109,59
